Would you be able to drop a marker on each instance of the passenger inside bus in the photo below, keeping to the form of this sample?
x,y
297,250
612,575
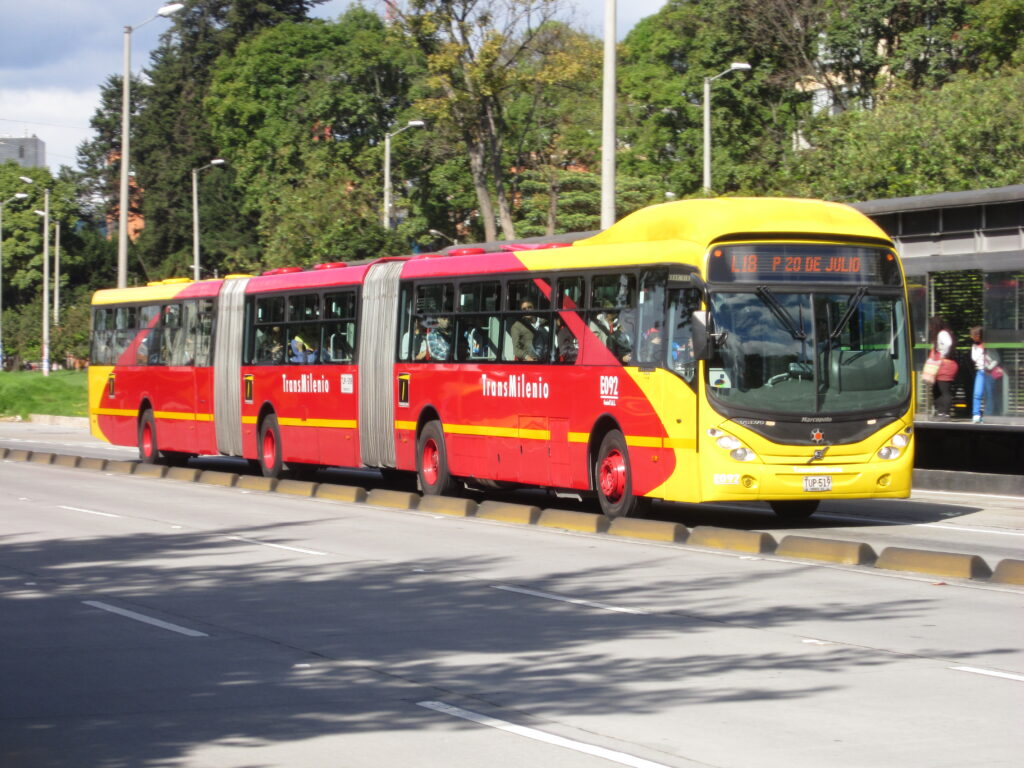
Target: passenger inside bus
x,y
301,352
438,341
522,332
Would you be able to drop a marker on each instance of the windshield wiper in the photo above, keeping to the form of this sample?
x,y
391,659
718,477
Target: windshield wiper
x,y
780,312
848,315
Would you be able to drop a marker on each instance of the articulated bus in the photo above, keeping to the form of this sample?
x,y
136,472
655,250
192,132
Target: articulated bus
x,y
702,350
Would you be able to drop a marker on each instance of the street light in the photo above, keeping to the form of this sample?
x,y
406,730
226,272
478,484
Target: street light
x,y
438,233
734,67
3,204
195,213
122,224
608,140
45,213
386,217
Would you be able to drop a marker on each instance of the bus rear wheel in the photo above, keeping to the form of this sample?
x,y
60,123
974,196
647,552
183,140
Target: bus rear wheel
x,y
432,462
794,510
268,447
149,453
614,478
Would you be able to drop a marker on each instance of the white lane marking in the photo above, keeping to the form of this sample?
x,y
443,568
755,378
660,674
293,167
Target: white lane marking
x,y
276,546
990,673
531,733
962,493
971,530
145,619
814,641
87,511
573,600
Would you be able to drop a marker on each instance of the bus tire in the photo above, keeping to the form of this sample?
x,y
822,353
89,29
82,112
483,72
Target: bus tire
x,y
268,449
432,462
149,452
613,477
794,510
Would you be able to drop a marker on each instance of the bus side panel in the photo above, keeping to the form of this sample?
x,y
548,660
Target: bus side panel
x,y
339,435
205,441
174,405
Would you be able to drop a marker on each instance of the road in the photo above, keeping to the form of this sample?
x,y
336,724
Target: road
x,y
155,623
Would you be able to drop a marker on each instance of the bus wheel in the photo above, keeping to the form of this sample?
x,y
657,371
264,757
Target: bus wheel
x,y
794,510
432,462
148,451
269,447
614,478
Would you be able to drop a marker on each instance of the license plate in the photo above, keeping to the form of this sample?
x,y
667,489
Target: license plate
x,y
817,483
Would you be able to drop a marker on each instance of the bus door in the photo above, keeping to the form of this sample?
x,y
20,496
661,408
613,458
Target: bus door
x,y
376,387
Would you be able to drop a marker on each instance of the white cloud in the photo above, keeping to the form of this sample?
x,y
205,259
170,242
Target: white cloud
x,y
58,116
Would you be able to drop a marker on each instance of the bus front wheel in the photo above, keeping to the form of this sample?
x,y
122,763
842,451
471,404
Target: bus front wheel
x,y
269,447
432,462
613,477
794,510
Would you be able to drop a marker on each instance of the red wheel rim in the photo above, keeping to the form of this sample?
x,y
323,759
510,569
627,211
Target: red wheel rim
x,y
612,478
147,439
430,462
269,449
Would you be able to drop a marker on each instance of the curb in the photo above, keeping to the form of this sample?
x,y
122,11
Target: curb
x,y
943,564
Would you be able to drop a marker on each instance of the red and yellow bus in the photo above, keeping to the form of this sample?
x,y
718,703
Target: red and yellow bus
x,y
703,350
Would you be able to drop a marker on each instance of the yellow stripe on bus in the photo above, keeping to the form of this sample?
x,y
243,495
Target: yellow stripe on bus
x,y
114,412
327,423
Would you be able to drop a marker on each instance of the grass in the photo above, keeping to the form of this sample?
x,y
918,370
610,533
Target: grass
x,y
62,393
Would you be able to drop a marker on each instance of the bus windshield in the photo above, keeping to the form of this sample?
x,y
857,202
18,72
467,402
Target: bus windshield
x,y
779,350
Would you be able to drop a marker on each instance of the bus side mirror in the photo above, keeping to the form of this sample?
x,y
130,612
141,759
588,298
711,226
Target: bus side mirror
x,y
699,328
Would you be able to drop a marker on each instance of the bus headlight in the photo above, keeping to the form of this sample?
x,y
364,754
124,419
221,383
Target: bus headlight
x,y
737,450
889,452
900,440
743,454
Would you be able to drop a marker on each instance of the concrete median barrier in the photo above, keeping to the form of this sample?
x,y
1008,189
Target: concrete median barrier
x,y
447,505
18,454
185,474
150,470
1009,572
66,460
502,512
652,530
212,477
380,497
349,493
255,483
948,564
296,487
89,462
39,457
734,541
826,550
582,522
120,467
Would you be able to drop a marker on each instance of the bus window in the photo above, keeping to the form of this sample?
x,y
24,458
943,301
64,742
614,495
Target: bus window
x,y
612,316
303,308
653,346
682,303
204,332
570,303
478,333
171,334
339,332
432,335
148,350
125,322
103,336
183,348
529,320
270,309
303,343
269,345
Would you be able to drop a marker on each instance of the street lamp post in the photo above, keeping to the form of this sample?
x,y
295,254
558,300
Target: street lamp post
x,y
122,224
195,213
56,272
608,119
439,233
3,204
386,216
735,66
45,213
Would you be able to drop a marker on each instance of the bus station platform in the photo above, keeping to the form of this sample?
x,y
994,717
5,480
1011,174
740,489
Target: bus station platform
x,y
949,447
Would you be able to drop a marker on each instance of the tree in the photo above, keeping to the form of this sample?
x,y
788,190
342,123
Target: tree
x,y
474,50
301,109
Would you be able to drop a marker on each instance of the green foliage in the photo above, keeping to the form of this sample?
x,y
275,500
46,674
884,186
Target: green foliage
x,y
62,393
916,143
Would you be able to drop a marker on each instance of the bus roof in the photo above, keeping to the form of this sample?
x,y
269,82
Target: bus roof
x,y
706,221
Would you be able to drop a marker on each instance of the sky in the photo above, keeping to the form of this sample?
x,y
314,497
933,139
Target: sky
x,y
55,55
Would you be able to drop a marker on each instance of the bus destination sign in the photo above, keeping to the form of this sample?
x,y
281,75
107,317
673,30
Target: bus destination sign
x,y
777,262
